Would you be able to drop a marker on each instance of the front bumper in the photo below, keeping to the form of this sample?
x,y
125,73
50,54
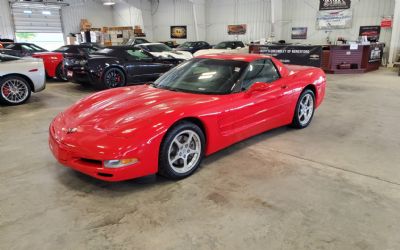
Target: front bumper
x,y
91,163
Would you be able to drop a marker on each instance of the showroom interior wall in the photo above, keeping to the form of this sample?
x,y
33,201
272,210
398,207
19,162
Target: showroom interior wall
x,y
134,12
98,14
303,13
178,12
255,13
6,25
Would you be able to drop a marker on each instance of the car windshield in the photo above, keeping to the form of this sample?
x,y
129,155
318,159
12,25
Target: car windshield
x,y
225,45
203,75
187,45
62,49
158,48
6,58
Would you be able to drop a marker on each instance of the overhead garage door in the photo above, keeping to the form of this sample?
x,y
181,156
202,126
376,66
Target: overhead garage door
x,y
36,18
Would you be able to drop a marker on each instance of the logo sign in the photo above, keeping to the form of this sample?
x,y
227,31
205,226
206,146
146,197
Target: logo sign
x,y
69,130
334,4
237,29
371,32
178,32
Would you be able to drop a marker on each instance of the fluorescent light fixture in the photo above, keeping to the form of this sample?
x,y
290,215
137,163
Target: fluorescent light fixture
x,y
27,11
108,2
46,12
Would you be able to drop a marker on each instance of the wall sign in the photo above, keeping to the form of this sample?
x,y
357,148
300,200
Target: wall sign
x,y
386,22
239,29
334,4
371,32
334,19
178,32
299,32
291,54
375,52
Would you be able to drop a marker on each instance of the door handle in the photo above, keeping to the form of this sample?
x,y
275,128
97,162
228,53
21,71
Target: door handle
x,y
284,86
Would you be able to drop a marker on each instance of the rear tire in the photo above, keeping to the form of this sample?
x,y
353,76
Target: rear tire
x,y
304,111
181,151
14,90
113,78
60,74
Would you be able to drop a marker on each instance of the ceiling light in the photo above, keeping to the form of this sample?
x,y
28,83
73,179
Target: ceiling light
x,y
27,11
46,12
109,2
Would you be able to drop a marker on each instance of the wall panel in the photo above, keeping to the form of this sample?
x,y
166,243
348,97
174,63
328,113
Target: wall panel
x,y
6,25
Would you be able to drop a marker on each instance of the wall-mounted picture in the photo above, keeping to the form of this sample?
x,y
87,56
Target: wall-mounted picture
x,y
334,4
299,32
334,19
239,29
178,32
371,32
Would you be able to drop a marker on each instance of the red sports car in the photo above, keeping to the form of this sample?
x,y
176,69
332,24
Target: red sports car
x,y
53,63
199,107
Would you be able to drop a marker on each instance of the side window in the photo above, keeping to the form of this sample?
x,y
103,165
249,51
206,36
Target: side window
x,y
260,71
138,54
26,48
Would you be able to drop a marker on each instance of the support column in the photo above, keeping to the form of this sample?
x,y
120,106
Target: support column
x,y
395,40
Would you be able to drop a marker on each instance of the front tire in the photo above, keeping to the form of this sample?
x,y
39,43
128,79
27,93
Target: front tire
x,y
304,110
60,74
14,90
181,151
113,78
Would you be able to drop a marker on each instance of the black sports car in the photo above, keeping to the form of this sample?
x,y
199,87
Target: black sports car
x,y
135,41
118,66
21,49
229,45
192,47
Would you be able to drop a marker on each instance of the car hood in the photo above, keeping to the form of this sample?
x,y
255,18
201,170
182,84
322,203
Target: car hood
x,y
127,106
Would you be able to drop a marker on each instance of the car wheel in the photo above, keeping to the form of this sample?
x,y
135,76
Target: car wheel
x,y
14,90
60,74
304,109
114,78
181,151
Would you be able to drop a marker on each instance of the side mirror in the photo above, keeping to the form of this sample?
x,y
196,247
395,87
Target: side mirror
x,y
258,87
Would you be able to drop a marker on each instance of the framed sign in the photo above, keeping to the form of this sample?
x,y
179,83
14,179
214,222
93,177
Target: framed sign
x,y
371,32
299,32
178,32
337,19
386,22
239,29
334,4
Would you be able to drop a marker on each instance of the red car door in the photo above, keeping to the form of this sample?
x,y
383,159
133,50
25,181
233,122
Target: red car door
x,y
261,105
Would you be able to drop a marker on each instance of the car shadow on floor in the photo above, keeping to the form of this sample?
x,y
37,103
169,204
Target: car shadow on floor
x,y
83,183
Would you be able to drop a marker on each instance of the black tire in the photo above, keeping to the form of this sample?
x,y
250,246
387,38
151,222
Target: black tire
x,y
299,121
60,74
170,148
6,96
113,78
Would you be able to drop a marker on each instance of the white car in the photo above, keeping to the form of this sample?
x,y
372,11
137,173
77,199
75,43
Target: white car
x,y
162,50
19,77
231,47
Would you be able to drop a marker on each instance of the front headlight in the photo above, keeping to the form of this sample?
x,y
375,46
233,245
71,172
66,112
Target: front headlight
x,y
120,163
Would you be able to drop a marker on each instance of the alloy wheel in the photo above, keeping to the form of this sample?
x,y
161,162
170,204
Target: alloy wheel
x,y
113,78
14,91
306,109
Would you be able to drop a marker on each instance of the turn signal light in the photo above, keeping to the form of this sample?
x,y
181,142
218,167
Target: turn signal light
x,y
120,163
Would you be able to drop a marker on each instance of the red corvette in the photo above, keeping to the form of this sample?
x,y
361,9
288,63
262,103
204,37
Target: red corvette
x,y
199,107
53,63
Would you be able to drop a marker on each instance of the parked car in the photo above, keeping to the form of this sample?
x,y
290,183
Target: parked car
x,y
19,77
225,47
135,41
53,61
118,66
192,47
202,106
21,49
162,50
4,42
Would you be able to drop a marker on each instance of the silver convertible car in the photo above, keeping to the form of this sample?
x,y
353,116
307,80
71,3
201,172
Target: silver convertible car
x,y
19,77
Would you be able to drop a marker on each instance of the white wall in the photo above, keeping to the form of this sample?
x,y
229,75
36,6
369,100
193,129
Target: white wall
x,y
302,13
178,12
134,12
220,13
6,26
98,14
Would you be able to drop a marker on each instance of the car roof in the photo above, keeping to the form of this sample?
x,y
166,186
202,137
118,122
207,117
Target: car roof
x,y
235,57
146,44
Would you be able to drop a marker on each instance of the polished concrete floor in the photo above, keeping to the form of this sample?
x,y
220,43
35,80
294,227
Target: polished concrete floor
x,y
334,185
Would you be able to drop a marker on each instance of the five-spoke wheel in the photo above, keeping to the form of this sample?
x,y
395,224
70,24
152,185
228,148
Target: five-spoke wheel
x,y
304,109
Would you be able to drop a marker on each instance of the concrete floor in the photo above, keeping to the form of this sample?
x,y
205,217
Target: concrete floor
x,y
334,185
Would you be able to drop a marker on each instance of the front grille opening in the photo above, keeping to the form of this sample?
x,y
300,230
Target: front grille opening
x,y
91,161
105,175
